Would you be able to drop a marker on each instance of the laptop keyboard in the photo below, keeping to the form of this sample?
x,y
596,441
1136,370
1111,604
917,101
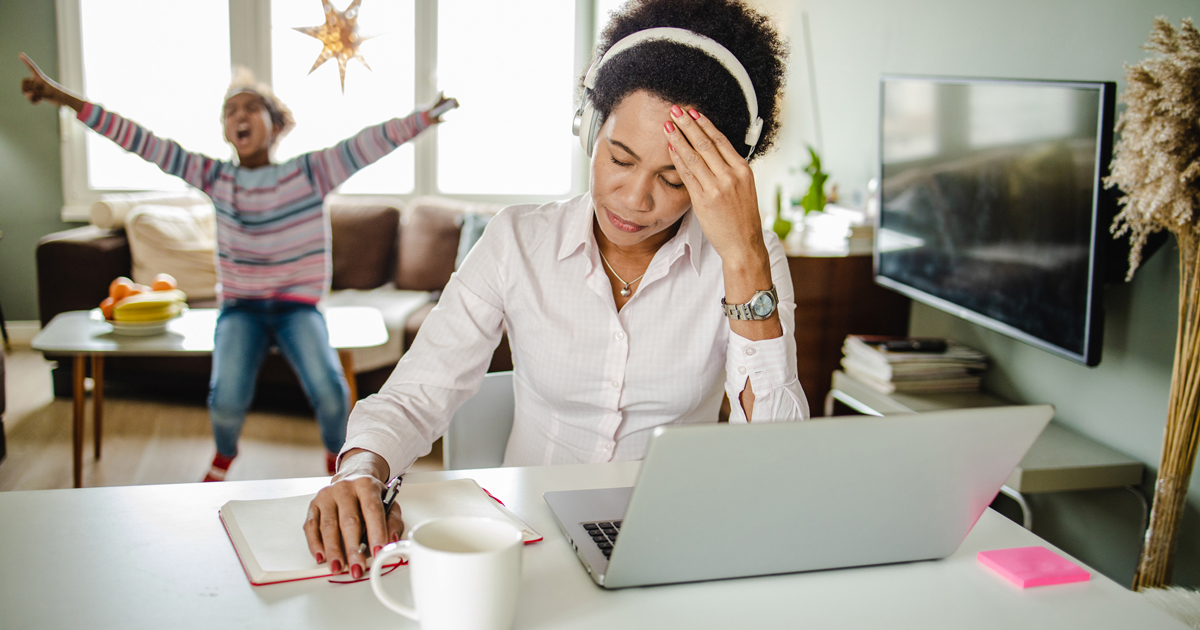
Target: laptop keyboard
x,y
604,534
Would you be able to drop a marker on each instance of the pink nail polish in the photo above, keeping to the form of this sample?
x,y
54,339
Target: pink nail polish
x,y
395,537
355,571
671,146
336,566
694,114
669,126
676,111
320,558
375,550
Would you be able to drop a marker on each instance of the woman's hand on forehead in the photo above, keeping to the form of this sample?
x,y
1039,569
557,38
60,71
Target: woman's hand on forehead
x,y
720,183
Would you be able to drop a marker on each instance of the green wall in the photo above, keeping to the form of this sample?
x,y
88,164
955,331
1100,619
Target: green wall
x,y
1121,403
30,163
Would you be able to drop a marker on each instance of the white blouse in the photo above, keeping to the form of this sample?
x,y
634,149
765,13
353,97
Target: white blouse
x,y
591,382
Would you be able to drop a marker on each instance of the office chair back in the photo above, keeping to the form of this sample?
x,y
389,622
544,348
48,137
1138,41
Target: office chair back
x,y
478,434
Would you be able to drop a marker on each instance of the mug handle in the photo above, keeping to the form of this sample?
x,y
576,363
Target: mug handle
x,y
400,549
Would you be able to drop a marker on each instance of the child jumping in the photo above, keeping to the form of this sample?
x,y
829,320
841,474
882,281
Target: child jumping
x,y
273,244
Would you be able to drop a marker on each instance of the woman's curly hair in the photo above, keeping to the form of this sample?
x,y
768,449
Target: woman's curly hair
x,y
678,73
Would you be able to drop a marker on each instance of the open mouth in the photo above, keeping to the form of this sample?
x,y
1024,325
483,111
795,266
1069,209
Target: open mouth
x,y
242,132
621,224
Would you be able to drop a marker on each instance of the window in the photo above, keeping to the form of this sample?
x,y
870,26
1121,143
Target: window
x,y
515,135
513,69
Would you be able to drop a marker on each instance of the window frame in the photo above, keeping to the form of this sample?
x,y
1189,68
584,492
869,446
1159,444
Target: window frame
x,y
250,46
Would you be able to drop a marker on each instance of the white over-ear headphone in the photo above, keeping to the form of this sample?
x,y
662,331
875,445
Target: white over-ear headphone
x,y
587,123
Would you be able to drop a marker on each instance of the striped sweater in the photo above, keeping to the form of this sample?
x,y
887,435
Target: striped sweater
x,y
272,230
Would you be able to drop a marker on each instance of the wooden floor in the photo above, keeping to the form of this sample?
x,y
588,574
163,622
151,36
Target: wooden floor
x,y
145,441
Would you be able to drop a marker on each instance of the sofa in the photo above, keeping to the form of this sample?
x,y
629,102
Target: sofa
x,y
386,253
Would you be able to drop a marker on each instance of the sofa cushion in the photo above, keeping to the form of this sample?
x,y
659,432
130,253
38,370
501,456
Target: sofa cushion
x,y
364,244
396,306
175,240
428,246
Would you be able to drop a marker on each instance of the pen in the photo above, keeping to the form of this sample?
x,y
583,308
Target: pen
x,y
388,497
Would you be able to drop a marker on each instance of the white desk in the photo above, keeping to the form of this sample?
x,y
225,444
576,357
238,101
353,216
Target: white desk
x,y
157,557
85,334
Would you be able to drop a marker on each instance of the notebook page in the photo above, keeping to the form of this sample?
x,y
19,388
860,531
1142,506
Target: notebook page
x,y
272,530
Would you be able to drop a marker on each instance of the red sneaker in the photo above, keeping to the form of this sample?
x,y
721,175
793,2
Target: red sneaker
x,y
220,466
330,462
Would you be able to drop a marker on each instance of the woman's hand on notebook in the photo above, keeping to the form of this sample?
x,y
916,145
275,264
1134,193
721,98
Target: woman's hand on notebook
x,y
340,511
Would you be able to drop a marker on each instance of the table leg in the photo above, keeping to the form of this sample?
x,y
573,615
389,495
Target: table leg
x,y
97,399
77,432
348,368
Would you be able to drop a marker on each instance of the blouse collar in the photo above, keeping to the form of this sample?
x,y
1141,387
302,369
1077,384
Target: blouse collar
x,y
688,241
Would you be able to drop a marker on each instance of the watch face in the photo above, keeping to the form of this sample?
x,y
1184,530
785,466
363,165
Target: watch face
x,y
762,305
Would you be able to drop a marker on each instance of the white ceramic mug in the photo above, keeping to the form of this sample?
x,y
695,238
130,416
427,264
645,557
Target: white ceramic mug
x,y
465,573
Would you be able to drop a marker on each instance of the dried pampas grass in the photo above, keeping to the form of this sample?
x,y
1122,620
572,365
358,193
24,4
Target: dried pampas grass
x,y
1157,161
1157,167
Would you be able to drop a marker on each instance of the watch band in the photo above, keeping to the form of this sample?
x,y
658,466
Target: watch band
x,y
746,312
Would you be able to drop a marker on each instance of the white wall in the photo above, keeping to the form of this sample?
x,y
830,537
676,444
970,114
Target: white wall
x,y
1121,403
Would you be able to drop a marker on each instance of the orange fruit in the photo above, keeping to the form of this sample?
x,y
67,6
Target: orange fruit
x,y
164,282
106,307
120,288
137,289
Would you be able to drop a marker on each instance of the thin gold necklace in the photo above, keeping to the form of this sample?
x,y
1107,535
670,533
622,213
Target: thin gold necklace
x,y
626,291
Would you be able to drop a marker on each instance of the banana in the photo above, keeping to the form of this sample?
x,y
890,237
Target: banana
x,y
152,306
149,314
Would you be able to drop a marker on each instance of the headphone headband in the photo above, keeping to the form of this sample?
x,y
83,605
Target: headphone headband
x,y
585,124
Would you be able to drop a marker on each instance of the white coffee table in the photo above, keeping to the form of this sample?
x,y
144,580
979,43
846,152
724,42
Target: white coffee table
x,y
84,335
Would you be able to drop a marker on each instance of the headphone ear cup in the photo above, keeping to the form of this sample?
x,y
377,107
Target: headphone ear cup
x,y
593,131
588,129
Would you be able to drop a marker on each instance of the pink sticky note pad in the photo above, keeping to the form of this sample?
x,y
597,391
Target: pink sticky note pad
x,y
1033,566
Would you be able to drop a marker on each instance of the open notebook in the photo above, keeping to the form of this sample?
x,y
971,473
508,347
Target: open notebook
x,y
269,540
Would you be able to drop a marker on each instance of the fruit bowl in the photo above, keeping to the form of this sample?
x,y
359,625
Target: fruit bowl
x,y
135,329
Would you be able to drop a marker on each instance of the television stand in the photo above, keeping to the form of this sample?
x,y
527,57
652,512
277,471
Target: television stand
x,y
1060,460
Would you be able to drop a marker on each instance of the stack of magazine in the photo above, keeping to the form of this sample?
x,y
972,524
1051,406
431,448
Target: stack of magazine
x,y
913,365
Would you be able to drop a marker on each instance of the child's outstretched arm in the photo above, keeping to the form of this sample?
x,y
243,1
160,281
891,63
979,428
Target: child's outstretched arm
x,y
38,87
195,169
330,167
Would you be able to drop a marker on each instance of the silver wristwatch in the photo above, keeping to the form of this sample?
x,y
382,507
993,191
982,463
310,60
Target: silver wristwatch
x,y
761,306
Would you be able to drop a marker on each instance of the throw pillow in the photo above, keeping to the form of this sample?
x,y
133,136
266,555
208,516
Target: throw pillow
x,y
175,240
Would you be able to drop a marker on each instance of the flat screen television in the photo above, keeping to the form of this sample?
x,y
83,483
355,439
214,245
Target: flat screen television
x,y
992,204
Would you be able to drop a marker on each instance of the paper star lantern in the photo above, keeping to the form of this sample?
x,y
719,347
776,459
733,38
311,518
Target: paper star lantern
x,y
339,35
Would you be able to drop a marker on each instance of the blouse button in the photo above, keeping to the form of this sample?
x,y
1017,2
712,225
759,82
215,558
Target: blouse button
x,y
619,336
615,384
741,369
750,352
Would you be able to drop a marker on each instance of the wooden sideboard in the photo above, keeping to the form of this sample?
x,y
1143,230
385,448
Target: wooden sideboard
x,y
837,296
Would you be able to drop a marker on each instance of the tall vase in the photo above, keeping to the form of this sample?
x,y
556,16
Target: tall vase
x,y
1182,430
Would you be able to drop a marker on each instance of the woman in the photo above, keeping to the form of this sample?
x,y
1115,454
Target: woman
x,y
612,300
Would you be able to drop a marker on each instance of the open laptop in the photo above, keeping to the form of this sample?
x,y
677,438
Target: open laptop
x,y
723,501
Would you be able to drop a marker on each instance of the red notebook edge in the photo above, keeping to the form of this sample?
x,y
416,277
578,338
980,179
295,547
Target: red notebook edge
x,y
540,538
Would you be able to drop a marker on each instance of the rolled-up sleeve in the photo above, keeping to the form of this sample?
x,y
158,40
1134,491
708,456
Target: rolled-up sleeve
x,y
769,364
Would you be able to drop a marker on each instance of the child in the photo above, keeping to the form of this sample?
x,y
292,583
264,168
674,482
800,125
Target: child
x,y
273,263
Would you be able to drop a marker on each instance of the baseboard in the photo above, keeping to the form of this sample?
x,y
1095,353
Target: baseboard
x,y
21,332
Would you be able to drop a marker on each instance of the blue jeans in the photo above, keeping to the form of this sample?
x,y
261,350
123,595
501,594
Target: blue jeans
x,y
246,329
